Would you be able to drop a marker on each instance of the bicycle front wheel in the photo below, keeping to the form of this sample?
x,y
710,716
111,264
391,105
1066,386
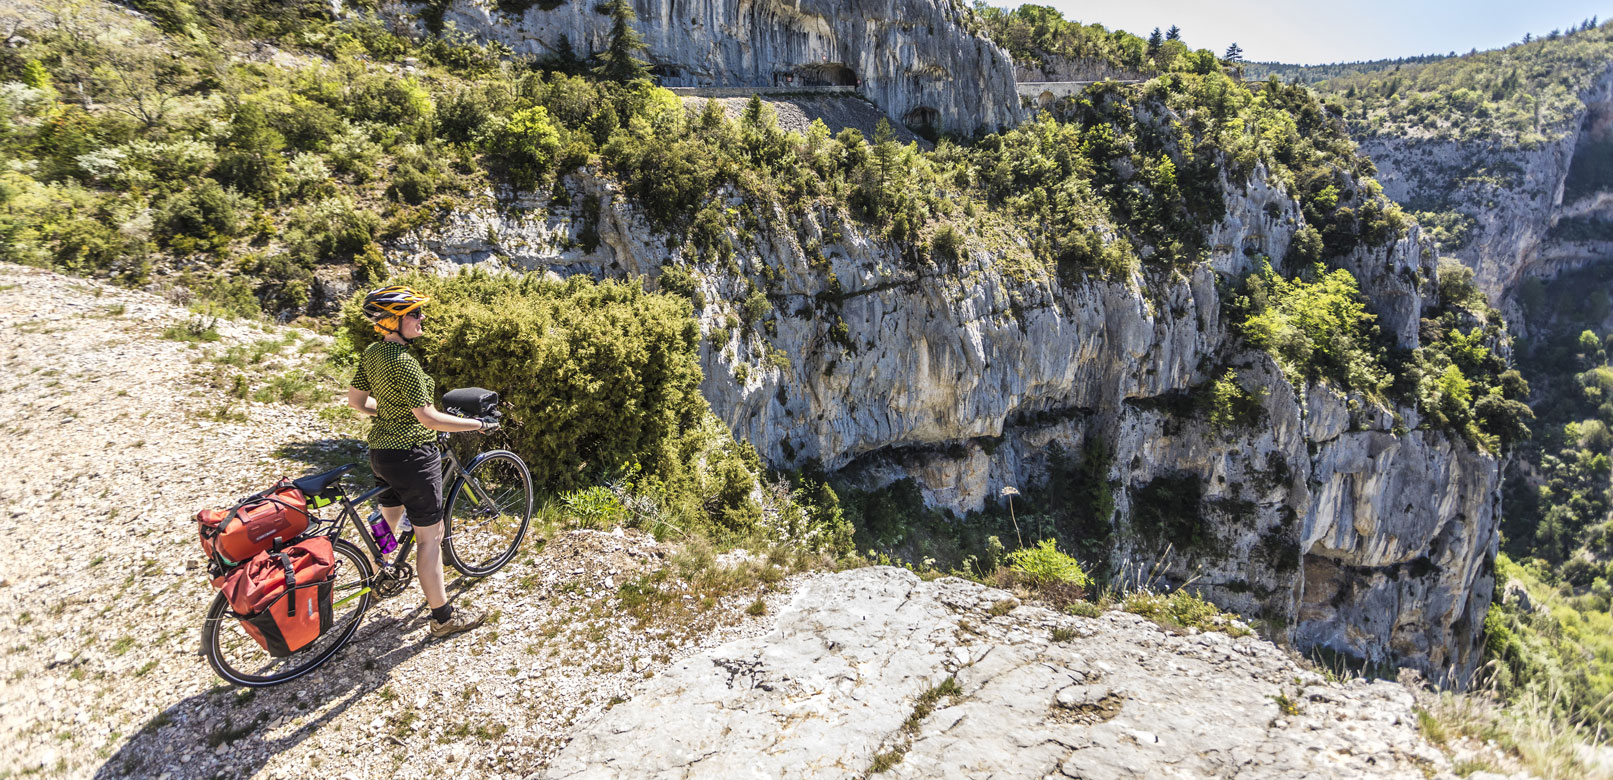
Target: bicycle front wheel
x,y
487,513
240,660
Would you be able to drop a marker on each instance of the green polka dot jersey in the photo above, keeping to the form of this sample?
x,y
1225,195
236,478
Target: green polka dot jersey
x,y
399,385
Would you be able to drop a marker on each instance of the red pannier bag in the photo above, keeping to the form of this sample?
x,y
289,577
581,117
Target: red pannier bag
x,y
262,520
282,598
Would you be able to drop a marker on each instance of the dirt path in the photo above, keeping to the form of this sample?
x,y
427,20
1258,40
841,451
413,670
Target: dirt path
x,y
114,435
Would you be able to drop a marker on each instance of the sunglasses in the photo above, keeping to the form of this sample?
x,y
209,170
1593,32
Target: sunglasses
x,y
416,315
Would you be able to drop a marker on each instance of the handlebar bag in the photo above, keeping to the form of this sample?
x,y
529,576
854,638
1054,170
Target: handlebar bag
x,y
283,598
258,523
470,402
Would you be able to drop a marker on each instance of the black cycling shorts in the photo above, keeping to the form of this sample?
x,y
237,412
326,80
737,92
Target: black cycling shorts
x,y
413,480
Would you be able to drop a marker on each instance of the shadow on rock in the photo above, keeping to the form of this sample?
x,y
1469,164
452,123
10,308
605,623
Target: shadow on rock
x,y
326,454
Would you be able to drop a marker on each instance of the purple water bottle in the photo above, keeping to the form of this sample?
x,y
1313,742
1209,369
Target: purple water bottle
x,y
383,536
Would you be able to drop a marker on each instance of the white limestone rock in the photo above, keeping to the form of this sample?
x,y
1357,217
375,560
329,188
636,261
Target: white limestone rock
x,y
848,661
915,59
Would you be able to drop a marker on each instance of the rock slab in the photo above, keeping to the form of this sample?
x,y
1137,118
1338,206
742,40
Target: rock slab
x,y
836,687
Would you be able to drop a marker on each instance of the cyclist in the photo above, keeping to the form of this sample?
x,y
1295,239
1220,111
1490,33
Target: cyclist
x,y
390,386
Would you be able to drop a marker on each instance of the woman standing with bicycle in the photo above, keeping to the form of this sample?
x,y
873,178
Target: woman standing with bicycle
x,y
391,387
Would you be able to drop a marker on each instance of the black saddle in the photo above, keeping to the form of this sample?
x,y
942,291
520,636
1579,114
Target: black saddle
x,y
315,484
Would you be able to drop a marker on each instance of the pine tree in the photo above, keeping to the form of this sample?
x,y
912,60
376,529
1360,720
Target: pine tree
x,y
1527,37
1234,53
1154,42
620,60
1173,34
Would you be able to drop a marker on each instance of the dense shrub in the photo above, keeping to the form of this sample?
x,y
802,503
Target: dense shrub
x,y
597,378
1231,406
385,99
250,158
1045,565
462,113
526,145
1560,650
1315,329
205,211
283,282
332,230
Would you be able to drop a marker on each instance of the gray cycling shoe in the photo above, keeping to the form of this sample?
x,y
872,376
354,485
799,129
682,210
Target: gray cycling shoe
x,y
463,619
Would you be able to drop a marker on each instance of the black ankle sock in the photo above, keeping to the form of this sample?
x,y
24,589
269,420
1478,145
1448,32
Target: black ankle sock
x,y
442,613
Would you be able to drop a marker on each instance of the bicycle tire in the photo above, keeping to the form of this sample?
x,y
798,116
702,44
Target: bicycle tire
x,y
228,647
479,540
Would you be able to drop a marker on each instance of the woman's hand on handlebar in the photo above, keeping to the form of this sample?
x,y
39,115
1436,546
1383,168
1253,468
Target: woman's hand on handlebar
x,y
447,423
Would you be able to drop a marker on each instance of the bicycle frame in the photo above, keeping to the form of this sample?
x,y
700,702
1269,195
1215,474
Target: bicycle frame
x,y
349,511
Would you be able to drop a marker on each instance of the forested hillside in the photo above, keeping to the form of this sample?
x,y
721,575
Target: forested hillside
x,y
1034,35
1518,95
1315,74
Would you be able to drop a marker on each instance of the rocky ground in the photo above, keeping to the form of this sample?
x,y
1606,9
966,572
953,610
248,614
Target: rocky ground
x,y
117,429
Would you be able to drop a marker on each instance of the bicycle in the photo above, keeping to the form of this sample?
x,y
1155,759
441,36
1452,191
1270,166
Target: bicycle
x,y
487,508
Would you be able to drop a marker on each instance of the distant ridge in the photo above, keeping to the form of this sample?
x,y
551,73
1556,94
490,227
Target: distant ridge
x,y
1313,74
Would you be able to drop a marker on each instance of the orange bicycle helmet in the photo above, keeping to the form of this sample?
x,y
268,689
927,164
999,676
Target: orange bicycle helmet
x,y
383,307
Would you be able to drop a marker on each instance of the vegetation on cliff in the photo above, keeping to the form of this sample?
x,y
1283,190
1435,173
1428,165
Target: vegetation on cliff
x,y
1551,641
1035,35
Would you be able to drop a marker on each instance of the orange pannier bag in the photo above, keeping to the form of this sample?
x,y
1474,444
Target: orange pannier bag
x,y
283,598
262,520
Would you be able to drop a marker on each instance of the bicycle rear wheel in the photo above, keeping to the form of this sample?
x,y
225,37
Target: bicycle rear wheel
x,y
487,515
240,660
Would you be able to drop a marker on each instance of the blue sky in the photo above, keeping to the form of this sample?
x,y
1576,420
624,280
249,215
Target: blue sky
x,y
1318,32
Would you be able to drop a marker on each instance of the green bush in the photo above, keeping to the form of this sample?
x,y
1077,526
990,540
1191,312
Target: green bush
x,y
462,113
1231,405
411,185
1317,329
87,244
61,139
594,507
526,145
597,376
284,283
332,230
250,157
203,211
388,100
1045,565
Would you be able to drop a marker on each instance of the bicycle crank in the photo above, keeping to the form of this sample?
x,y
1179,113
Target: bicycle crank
x,y
393,579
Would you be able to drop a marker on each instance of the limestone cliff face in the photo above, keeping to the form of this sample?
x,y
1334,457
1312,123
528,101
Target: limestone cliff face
x,y
1056,67
1516,194
915,59
1360,531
